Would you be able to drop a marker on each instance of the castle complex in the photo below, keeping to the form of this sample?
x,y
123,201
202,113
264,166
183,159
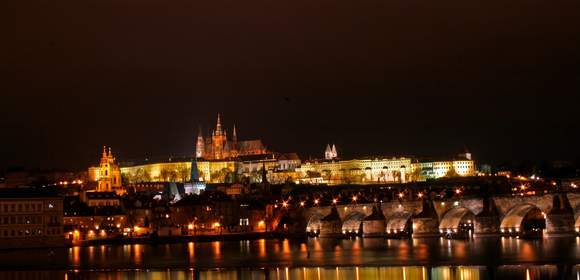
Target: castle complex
x,y
220,159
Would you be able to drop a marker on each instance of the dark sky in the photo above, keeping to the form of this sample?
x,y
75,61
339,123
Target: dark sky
x,y
375,77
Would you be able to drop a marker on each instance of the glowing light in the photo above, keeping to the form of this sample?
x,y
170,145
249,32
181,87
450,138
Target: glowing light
x,y
302,203
401,195
334,201
457,191
420,195
216,224
316,201
118,225
354,198
285,204
190,226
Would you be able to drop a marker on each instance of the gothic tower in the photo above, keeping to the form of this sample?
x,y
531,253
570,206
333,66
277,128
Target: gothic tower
x,y
328,152
234,147
219,140
199,145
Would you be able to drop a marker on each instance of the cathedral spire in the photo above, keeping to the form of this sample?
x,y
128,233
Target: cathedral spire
x,y
328,152
104,152
218,127
199,145
235,135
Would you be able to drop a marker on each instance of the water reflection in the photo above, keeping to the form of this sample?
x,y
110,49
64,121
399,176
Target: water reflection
x,y
302,253
530,272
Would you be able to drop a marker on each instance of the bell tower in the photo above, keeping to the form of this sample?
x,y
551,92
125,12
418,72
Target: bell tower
x,y
109,173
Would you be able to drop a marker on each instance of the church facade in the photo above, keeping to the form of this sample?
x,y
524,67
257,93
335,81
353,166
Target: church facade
x,y
109,175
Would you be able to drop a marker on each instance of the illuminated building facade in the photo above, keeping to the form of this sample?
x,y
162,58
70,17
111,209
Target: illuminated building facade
x,y
376,170
109,177
222,160
30,218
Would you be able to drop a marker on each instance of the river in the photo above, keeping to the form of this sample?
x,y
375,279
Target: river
x,y
484,258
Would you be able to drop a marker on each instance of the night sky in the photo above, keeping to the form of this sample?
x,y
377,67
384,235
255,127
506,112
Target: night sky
x,y
389,77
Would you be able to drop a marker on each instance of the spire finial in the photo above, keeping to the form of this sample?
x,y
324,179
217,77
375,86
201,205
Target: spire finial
x,y
219,124
104,151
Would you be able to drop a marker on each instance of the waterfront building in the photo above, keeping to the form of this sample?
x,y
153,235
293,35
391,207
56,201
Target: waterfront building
x,y
30,218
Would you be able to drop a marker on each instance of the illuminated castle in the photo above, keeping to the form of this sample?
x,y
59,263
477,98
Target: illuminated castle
x,y
219,147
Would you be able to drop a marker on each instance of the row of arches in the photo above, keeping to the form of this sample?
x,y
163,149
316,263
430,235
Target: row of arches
x,y
520,219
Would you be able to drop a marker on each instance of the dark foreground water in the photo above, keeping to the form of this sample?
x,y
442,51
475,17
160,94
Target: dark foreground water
x,y
304,259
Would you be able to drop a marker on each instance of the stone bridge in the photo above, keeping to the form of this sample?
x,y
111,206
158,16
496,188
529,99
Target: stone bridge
x,y
487,216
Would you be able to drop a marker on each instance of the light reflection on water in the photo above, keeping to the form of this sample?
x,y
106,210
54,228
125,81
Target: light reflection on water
x,y
330,258
319,273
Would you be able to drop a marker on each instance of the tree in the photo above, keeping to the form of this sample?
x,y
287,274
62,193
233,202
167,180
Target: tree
x,y
164,174
451,173
184,173
416,175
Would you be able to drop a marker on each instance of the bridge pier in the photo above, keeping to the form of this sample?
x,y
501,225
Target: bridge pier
x,y
331,225
374,224
426,223
487,223
560,220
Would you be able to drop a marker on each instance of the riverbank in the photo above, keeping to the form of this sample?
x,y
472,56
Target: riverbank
x,y
190,238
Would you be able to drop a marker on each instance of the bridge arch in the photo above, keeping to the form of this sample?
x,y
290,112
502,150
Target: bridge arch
x,y
314,223
577,217
455,218
353,222
523,217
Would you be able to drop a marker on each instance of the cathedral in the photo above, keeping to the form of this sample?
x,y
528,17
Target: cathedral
x,y
217,146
